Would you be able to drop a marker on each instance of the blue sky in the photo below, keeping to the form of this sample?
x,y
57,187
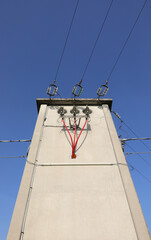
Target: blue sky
x,y
31,40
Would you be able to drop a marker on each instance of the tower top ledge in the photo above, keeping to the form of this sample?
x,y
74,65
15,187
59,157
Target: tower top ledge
x,y
71,101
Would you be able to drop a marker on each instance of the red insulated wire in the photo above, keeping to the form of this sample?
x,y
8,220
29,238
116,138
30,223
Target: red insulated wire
x,y
73,142
73,146
68,131
81,132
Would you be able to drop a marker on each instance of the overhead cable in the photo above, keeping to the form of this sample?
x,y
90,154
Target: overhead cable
x,y
139,172
140,139
13,157
74,164
10,141
95,43
130,153
139,155
38,164
66,40
126,41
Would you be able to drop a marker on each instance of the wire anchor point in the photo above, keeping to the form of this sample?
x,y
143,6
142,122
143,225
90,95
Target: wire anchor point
x,y
77,90
102,90
52,90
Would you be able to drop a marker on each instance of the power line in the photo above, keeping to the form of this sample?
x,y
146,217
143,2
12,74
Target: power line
x,y
98,36
13,157
66,40
147,179
139,155
132,167
74,164
126,41
10,141
130,153
117,115
140,139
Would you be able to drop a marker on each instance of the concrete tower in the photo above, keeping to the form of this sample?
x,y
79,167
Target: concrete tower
x,y
76,193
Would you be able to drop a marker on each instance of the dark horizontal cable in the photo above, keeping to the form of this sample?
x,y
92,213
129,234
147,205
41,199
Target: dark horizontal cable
x,y
13,157
139,155
130,153
126,41
10,141
71,23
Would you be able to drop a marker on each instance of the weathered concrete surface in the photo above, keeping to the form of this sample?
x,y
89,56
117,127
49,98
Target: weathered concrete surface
x,y
90,197
19,210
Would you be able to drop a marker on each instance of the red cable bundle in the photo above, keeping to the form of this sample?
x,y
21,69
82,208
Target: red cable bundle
x,y
74,142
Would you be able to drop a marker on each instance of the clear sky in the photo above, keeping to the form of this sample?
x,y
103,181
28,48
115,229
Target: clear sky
x,y
32,35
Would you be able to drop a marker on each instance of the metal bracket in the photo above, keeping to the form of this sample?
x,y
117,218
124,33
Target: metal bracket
x,y
72,126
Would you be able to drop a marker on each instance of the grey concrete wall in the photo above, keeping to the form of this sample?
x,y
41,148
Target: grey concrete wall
x,y
90,197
